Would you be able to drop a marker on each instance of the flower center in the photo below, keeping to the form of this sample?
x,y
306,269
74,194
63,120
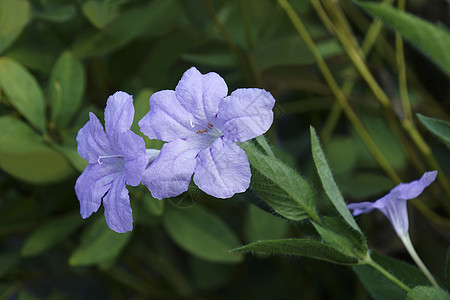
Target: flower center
x,y
210,131
99,160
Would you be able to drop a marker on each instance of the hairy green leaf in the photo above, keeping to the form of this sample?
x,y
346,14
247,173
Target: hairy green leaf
x,y
299,247
328,183
427,292
282,188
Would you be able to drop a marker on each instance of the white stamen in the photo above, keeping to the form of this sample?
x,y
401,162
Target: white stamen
x,y
107,156
191,123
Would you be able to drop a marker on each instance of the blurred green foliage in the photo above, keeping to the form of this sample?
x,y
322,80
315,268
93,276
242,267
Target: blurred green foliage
x,y
60,59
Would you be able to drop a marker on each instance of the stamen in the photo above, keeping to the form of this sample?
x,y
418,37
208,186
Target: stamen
x,y
202,131
107,156
210,126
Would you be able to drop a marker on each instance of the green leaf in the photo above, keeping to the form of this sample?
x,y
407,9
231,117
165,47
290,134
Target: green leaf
x,y
70,152
201,233
66,88
57,13
281,187
23,154
215,59
153,206
343,238
202,270
23,92
39,166
150,19
427,292
261,225
299,247
18,137
439,128
8,260
284,51
447,268
50,234
379,287
99,245
14,15
328,183
100,14
432,40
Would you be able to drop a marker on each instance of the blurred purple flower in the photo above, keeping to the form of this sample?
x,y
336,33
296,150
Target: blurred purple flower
x,y
393,205
115,158
202,125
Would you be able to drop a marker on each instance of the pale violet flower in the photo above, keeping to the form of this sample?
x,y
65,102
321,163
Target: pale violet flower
x,y
201,126
393,205
116,158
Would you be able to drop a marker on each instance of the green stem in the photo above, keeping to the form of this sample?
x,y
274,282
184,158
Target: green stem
x,y
354,52
410,248
402,69
339,94
368,260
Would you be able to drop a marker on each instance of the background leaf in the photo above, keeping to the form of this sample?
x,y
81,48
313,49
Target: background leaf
x,y
66,88
432,40
202,233
23,92
99,245
439,128
14,15
50,233
261,225
18,137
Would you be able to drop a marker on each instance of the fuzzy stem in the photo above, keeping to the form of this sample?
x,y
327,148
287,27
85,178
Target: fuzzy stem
x,y
369,261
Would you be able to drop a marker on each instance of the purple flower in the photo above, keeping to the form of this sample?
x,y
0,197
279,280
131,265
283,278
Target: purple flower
x,y
115,158
393,205
202,125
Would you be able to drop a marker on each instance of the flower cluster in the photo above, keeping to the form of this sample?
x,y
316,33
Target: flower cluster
x,y
200,124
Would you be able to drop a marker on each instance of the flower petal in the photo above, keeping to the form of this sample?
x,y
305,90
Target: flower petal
x,y
118,212
201,94
397,213
167,119
93,184
246,114
223,169
92,140
169,175
414,188
119,114
361,207
134,154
